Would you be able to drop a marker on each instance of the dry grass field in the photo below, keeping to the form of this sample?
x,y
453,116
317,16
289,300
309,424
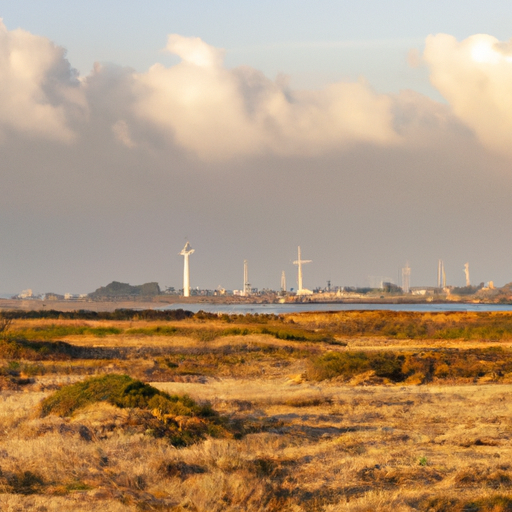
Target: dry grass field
x,y
314,412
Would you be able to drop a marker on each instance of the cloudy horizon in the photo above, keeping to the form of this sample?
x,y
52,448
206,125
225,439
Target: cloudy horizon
x,y
106,175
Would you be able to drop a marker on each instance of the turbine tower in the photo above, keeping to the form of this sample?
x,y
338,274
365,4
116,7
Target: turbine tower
x,y
466,271
283,281
186,252
299,264
441,276
406,278
247,287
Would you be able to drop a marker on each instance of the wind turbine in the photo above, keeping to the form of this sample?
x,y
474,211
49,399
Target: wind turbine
x,y
247,287
186,252
466,271
299,264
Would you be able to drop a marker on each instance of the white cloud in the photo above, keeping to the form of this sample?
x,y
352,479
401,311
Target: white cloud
x,y
219,113
38,92
193,50
475,77
122,133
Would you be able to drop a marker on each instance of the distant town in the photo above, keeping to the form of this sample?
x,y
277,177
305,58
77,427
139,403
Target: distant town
x,y
380,290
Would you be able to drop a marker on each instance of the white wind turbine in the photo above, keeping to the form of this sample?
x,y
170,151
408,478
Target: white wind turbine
x,y
299,263
186,252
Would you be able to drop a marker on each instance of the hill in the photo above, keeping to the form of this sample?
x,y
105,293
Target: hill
x,y
116,289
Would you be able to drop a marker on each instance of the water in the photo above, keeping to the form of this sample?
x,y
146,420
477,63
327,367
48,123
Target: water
x,y
277,309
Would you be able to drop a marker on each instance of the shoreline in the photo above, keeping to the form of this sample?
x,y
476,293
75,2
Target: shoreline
x,y
162,301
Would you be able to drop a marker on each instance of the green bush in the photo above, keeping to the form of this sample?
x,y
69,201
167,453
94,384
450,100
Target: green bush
x,y
52,331
35,350
388,366
464,365
177,418
121,391
335,364
294,334
160,330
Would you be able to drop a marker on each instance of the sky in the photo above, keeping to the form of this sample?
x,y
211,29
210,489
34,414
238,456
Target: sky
x,y
370,134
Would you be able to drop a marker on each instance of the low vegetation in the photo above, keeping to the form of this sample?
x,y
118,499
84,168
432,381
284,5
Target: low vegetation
x,y
411,325
198,327
314,327
351,411
462,366
176,417
120,391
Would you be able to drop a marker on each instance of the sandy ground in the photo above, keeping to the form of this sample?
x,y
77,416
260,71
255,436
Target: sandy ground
x,y
112,305
73,305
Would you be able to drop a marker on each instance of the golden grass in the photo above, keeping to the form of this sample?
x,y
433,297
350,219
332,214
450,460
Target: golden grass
x,y
351,449
468,326
316,446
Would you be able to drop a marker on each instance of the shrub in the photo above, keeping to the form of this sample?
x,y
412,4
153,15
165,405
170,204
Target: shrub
x,y
349,364
487,504
22,482
425,366
118,314
294,334
36,350
334,364
405,324
175,417
160,330
388,366
121,391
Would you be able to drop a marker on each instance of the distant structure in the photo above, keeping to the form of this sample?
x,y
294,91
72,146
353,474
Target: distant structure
x,y
466,271
299,263
378,281
186,252
441,275
247,287
406,278
283,281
